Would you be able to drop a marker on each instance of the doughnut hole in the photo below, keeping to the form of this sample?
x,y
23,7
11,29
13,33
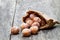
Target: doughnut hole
x,y
26,32
37,19
29,22
14,30
24,25
34,29
32,16
36,24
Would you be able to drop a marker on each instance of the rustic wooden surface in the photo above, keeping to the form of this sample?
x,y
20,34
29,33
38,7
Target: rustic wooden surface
x,y
9,8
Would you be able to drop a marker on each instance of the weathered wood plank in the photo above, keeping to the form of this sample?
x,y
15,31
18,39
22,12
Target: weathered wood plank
x,y
6,17
49,7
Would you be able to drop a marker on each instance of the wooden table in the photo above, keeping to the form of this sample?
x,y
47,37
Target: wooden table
x,y
11,12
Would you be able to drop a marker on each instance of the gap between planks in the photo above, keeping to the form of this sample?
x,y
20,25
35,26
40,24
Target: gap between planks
x,y
13,17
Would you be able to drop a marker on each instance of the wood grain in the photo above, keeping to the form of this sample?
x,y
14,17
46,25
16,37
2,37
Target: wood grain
x,y
6,16
48,7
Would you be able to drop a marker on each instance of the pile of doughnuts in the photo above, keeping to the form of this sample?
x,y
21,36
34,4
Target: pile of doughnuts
x,y
31,24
